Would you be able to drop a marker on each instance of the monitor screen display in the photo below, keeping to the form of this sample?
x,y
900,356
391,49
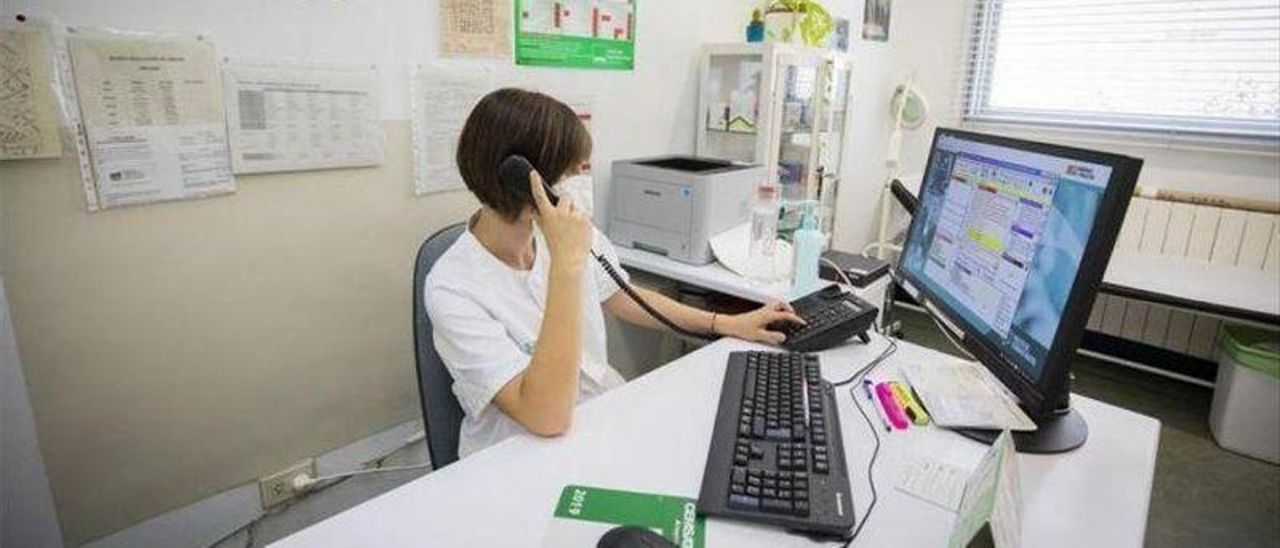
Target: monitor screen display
x,y
998,239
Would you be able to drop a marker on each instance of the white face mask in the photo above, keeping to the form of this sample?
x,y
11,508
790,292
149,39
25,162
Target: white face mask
x,y
580,189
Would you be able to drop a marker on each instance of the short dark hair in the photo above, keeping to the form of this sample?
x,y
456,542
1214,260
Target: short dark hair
x,y
514,121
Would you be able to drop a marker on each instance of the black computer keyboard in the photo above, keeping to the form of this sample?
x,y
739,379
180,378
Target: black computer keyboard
x,y
833,317
776,456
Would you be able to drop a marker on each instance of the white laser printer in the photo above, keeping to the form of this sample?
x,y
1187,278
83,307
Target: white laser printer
x,y
673,205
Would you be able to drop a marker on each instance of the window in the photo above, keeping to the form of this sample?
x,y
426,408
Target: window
x,y
1207,67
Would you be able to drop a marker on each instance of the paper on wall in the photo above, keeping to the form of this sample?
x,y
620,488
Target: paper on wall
x,y
576,33
153,116
440,100
582,106
28,112
289,117
475,27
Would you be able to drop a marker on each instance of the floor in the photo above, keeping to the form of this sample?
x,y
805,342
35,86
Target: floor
x,y
1202,496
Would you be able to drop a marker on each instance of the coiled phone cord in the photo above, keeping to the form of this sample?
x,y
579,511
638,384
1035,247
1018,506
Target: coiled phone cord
x,y
631,292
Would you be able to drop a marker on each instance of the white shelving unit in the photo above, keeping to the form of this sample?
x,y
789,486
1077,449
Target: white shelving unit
x,y
780,105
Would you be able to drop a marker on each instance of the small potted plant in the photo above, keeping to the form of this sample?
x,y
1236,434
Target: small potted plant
x,y
798,22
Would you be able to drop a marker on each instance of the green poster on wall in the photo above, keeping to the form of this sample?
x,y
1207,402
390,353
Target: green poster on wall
x,y
597,34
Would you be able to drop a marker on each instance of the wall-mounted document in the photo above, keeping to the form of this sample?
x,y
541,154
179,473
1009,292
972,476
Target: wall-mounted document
x,y
475,27
299,117
153,116
28,113
596,34
440,100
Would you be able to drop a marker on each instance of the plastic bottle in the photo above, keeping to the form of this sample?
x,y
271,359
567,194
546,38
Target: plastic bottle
x,y
808,242
764,236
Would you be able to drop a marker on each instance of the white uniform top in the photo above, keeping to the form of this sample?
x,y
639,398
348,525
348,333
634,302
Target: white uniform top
x,y
486,317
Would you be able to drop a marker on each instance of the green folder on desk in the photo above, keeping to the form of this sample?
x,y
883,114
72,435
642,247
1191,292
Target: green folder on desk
x,y
584,514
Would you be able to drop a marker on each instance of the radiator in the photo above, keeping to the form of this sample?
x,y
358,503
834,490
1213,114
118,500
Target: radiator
x,y
1153,227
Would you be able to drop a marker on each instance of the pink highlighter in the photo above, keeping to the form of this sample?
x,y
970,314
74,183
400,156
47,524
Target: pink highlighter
x,y
891,408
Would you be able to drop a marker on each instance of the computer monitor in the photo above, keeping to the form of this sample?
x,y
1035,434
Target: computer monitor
x,y
1008,246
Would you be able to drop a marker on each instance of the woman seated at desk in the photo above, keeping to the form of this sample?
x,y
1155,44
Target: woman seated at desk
x,y
518,263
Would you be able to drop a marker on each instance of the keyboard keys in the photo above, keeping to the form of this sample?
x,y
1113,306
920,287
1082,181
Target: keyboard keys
x,y
744,502
777,505
779,431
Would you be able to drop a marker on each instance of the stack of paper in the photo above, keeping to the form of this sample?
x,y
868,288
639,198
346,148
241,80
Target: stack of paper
x,y
964,394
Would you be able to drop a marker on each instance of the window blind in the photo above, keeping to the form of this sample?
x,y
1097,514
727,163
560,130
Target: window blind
x,y
1209,67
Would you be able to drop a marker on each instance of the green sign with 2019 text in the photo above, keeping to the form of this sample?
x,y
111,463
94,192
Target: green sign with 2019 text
x,y
575,34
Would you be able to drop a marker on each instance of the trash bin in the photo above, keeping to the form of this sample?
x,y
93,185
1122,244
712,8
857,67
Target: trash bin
x,y
1246,400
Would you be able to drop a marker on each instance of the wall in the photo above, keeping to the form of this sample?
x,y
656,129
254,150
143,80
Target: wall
x,y
176,350
923,39
27,516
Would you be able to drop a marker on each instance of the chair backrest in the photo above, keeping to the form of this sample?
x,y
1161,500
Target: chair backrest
x,y
441,413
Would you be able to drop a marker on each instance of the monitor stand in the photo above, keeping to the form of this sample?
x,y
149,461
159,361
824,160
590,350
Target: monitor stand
x,y
1059,433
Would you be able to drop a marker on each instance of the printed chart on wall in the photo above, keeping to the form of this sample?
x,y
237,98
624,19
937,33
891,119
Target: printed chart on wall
x,y
596,34
28,111
475,28
290,117
153,116
440,100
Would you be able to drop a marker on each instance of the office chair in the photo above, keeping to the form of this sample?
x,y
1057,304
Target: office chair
x,y
441,413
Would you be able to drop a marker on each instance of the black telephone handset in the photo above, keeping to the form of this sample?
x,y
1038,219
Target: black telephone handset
x,y
514,172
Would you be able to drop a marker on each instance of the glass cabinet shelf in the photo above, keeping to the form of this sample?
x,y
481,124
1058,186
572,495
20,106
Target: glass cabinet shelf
x,y
778,105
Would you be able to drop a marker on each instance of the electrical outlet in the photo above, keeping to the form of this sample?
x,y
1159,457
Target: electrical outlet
x,y
278,487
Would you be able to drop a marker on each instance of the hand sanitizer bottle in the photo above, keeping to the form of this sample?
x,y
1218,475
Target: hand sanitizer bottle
x,y
808,242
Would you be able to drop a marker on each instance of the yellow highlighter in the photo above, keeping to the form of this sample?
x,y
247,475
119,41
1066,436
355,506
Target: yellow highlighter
x,y
914,410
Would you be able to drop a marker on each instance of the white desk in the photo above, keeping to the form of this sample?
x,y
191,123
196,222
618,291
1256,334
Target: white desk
x,y
1225,291
712,276
652,435
716,277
